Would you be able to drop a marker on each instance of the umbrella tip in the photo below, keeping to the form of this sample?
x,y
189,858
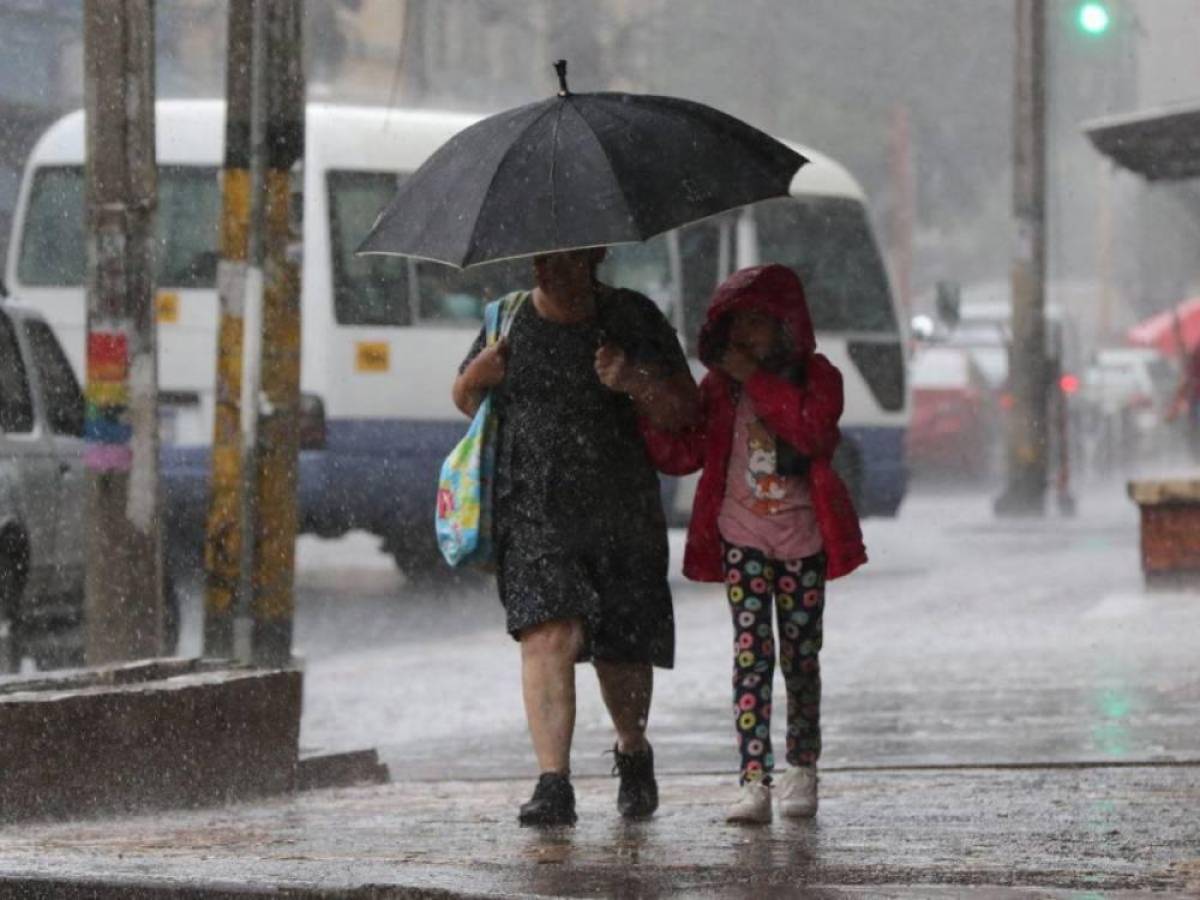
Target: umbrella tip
x,y
560,67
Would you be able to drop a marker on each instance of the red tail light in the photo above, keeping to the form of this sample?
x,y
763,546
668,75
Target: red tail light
x,y
1007,401
1069,384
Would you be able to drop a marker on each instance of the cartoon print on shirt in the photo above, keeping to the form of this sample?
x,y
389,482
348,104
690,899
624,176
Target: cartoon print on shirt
x,y
767,487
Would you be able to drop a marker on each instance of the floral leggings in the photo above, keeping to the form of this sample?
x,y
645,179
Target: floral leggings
x,y
752,581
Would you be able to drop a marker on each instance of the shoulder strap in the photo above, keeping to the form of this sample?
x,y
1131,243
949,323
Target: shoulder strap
x,y
491,320
510,304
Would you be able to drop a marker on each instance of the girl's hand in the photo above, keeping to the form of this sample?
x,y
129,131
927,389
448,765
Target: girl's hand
x,y
488,368
738,364
614,369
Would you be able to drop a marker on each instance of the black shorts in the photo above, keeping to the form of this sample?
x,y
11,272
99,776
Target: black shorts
x,y
612,579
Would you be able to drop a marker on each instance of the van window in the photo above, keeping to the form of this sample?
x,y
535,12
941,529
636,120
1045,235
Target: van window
x,y
53,245
645,268
16,404
393,290
367,290
828,241
701,260
60,390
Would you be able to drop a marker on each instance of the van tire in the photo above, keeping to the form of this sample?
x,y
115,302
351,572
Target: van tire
x,y
419,558
13,565
171,614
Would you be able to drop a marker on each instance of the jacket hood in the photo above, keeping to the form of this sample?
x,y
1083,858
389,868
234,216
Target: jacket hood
x,y
772,289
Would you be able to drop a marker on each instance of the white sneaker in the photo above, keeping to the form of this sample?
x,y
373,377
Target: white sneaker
x,y
753,806
798,792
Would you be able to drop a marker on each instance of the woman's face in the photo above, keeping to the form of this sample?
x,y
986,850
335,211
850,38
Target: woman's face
x,y
758,334
569,272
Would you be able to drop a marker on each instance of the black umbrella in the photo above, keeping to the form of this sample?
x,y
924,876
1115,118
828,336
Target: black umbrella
x,y
579,170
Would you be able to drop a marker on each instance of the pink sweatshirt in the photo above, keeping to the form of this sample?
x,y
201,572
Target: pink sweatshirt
x,y
761,509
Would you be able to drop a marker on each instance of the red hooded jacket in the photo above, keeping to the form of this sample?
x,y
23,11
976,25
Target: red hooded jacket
x,y
806,417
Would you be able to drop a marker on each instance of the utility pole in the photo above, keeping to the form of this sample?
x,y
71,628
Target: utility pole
x,y
903,211
1028,368
253,512
123,607
223,539
274,433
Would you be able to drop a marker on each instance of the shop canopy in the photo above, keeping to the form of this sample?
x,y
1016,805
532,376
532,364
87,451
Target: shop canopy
x,y
1162,145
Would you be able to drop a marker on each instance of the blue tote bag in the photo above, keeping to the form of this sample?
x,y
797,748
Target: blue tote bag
x,y
464,497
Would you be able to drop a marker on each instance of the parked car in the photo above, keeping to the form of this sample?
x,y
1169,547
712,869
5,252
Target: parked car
x,y
1131,378
42,497
1126,392
955,425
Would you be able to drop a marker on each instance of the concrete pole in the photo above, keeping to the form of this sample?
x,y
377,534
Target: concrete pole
x,y
223,539
903,212
276,435
123,606
1028,370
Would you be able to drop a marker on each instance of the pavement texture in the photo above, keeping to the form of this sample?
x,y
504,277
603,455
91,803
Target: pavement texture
x,y
1095,832
1008,712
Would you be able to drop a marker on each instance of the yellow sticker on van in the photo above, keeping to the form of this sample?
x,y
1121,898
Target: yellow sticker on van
x,y
166,307
372,356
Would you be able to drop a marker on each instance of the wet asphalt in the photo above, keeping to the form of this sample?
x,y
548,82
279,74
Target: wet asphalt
x,y
1008,713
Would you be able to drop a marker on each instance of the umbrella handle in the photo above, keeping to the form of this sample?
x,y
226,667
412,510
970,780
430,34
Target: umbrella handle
x,y
561,68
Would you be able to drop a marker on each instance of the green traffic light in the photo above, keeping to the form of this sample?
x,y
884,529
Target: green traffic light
x,y
1094,18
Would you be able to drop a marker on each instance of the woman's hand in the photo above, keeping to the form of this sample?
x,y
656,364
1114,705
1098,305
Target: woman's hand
x,y
616,372
482,374
738,364
488,368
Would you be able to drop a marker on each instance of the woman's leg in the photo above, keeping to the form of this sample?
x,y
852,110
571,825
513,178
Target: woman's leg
x,y
548,655
627,688
800,599
749,591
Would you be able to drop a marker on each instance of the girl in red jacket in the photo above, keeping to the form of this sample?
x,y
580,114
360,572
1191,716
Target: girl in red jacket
x,y
771,520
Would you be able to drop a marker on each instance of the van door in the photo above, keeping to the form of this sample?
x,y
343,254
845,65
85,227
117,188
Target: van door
x,y
24,446
62,411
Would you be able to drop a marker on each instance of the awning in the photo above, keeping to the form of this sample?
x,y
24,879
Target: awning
x,y
1161,145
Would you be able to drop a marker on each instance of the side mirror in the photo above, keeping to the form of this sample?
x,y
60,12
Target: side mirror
x,y
949,302
312,422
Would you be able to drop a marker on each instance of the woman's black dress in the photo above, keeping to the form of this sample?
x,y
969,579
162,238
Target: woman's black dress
x,y
578,520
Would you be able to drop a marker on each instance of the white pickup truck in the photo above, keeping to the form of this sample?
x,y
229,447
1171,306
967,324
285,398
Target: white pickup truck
x,y
42,497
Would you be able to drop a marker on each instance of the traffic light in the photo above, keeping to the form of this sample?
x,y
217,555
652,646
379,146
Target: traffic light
x,y
1094,18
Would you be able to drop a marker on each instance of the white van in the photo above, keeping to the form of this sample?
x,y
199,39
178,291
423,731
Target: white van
x,y
383,337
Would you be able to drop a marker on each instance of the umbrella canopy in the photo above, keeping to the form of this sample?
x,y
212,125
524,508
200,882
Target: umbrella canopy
x,y
1164,330
579,170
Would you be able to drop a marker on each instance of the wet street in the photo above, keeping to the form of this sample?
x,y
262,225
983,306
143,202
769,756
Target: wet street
x,y
1007,712
965,641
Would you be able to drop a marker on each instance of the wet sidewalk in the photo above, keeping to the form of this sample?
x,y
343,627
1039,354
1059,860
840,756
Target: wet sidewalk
x,y
1061,831
1008,713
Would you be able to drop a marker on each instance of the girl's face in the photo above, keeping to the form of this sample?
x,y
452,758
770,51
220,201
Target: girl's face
x,y
758,334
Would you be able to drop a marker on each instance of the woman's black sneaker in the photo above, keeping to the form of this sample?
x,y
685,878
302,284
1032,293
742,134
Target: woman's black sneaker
x,y
637,797
553,802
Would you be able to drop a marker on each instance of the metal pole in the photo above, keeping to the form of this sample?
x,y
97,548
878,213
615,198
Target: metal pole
x,y
223,539
1028,370
123,606
252,340
277,436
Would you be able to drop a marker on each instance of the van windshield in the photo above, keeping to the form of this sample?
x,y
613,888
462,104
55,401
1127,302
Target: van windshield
x,y
53,246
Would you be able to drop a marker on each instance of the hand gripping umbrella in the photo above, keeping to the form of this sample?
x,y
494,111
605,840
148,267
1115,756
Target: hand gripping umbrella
x,y
575,171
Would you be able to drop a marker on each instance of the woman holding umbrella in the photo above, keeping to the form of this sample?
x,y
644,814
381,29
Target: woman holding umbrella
x,y
580,540
581,545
